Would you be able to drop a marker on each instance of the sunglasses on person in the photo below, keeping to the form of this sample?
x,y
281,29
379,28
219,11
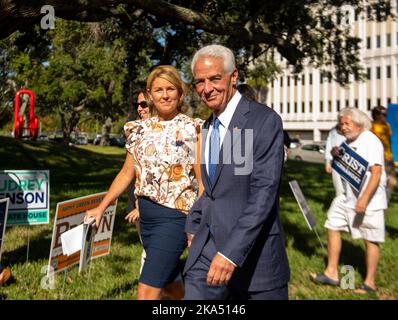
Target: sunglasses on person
x,y
142,104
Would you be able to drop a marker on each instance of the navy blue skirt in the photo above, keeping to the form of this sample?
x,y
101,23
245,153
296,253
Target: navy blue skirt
x,y
164,239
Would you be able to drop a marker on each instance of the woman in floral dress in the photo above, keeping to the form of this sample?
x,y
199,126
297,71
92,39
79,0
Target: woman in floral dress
x,y
163,157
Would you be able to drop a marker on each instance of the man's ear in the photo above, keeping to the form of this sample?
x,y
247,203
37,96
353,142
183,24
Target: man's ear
x,y
235,77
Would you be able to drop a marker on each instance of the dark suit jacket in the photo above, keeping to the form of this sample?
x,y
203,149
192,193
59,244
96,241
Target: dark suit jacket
x,y
242,211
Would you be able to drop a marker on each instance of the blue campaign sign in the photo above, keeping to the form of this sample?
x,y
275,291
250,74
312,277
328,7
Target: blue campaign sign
x,y
392,119
350,166
3,220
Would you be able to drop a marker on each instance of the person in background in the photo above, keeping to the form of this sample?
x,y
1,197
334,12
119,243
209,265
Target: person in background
x,y
161,155
335,138
381,128
237,250
133,215
361,214
143,110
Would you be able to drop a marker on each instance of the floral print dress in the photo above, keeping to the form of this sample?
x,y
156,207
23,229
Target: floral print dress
x,y
164,155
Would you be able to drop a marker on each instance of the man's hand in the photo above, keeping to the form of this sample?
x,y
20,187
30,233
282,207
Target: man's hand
x,y
220,271
132,216
367,194
360,206
328,168
335,152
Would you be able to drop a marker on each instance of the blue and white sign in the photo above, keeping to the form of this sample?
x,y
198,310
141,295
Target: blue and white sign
x,y
350,166
29,194
3,221
392,119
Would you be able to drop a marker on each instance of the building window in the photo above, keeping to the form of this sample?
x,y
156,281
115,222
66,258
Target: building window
x,y
347,103
281,81
388,100
303,79
310,78
321,106
388,71
368,73
378,73
369,104
356,103
281,107
321,78
302,107
388,39
356,13
311,107
378,42
329,106
338,105
368,12
288,107
288,81
347,17
338,17
295,107
378,101
368,42
295,80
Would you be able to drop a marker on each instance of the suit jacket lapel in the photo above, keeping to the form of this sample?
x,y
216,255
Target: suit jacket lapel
x,y
238,121
205,175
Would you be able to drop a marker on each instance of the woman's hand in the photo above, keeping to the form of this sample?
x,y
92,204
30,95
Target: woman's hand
x,y
133,216
95,213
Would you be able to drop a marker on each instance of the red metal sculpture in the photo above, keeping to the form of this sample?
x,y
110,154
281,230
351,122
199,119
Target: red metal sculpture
x,y
19,121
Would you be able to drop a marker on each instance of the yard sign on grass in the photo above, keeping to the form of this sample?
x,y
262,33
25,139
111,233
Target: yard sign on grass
x,y
70,214
305,209
29,194
3,221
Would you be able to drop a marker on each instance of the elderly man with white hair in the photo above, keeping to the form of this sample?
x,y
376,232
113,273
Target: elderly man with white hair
x,y
360,213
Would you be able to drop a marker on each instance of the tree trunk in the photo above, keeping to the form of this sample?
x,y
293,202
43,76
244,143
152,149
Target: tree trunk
x,y
106,131
68,126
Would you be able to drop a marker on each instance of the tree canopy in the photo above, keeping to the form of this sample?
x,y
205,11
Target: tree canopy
x,y
301,31
95,68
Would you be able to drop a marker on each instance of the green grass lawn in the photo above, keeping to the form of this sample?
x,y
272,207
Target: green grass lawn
x,y
80,171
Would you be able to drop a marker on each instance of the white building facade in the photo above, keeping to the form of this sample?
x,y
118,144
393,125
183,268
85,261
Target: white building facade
x,y
309,104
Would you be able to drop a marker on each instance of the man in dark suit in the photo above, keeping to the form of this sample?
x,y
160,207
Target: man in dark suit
x,y
237,250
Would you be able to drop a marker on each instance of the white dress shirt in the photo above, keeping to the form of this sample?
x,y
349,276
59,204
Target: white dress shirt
x,y
225,118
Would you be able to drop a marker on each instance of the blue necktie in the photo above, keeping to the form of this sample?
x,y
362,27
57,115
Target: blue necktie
x,y
214,150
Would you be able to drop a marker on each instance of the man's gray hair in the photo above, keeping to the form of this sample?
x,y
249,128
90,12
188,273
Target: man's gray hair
x,y
217,51
357,116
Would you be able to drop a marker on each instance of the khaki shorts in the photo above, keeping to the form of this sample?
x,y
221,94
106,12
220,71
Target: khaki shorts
x,y
369,226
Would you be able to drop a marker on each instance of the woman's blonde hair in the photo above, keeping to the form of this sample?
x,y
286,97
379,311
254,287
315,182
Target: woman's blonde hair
x,y
170,74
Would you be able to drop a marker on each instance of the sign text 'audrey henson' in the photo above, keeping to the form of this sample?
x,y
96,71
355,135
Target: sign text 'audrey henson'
x,y
29,194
